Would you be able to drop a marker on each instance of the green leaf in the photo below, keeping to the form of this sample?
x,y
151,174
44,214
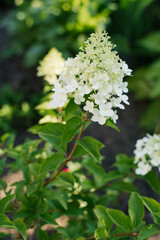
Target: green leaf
x,y
146,84
21,227
31,189
150,118
2,165
47,194
124,163
79,152
71,128
6,222
100,234
148,231
52,133
3,184
124,160
120,219
140,226
19,188
34,168
111,124
123,186
43,206
33,54
48,218
112,175
42,235
8,140
97,171
34,129
139,84
62,199
154,207
87,184
103,217
151,42
22,213
154,79
67,178
4,202
153,180
91,146
51,163
136,209
72,109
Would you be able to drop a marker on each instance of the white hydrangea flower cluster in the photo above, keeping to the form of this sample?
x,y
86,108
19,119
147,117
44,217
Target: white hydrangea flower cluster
x,y
95,78
51,66
147,154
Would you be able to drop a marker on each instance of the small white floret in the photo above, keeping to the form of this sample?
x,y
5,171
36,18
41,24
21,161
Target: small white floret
x,y
147,154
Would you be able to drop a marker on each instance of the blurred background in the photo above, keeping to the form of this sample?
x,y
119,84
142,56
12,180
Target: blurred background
x,y
30,28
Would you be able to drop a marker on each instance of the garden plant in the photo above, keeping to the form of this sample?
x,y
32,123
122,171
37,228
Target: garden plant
x,y
65,193
49,23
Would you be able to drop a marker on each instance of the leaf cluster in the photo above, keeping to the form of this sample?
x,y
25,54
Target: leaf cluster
x,y
80,190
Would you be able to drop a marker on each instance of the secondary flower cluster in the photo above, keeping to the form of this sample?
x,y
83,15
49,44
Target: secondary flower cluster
x,y
51,66
95,78
147,154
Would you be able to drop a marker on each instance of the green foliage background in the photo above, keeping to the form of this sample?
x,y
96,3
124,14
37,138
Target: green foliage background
x,y
35,26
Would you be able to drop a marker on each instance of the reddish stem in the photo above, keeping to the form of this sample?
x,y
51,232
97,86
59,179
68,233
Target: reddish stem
x,y
127,234
119,235
69,158
59,117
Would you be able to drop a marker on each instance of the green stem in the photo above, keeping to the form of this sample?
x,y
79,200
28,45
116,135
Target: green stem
x,y
69,158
